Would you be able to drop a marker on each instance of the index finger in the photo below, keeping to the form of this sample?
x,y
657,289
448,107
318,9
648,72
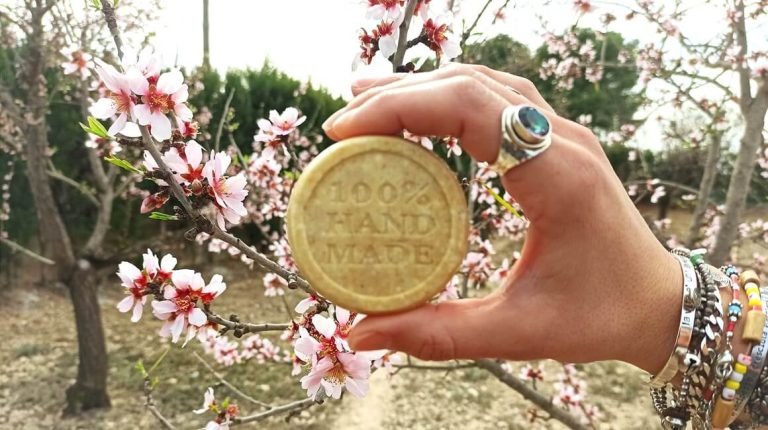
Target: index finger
x,y
458,106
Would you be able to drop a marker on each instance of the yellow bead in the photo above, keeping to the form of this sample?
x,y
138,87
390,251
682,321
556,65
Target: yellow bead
x,y
752,289
721,416
753,326
749,276
750,285
740,368
755,301
733,385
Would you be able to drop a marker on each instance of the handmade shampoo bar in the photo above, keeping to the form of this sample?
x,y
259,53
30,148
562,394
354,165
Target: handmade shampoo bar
x,y
377,224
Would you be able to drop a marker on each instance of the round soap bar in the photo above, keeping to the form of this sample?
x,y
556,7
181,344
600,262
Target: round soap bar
x,y
377,224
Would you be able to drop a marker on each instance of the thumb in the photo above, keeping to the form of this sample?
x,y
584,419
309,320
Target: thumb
x,y
442,331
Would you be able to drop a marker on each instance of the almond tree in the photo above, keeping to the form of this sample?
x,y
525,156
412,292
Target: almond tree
x,y
44,24
686,70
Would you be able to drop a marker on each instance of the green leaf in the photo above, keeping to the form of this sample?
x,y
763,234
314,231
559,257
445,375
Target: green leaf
x,y
505,204
98,127
140,368
154,382
123,164
114,5
290,174
96,4
163,217
225,403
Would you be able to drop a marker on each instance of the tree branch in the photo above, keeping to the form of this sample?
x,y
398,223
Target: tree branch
x,y
109,16
290,407
403,36
240,329
530,394
471,28
741,36
29,253
232,388
222,120
666,183
87,193
149,402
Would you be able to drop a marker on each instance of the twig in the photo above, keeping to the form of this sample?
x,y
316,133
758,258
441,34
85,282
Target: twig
x,y
232,388
109,16
55,174
150,401
496,16
402,39
468,33
530,394
240,329
290,407
223,120
435,367
16,247
666,183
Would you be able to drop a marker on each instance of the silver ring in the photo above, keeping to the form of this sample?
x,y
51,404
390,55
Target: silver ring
x,y
525,133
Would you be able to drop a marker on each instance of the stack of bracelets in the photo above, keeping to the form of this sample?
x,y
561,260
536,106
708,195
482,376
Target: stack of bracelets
x,y
705,382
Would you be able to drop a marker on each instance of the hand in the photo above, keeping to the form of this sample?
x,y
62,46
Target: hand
x,y
593,283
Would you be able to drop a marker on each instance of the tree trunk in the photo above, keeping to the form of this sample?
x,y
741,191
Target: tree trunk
x,y
90,388
206,38
705,188
738,188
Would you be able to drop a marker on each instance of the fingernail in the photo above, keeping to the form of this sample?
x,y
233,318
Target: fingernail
x,y
364,83
369,340
328,124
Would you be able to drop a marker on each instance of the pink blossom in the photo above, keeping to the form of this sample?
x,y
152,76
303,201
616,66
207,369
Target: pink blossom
x,y
348,371
209,402
146,63
440,39
424,141
77,61
159,270
273,285
213,289
286,122
228,192
119,100
380,10
179,310
306,303
159,99
187,164
451,291
134,280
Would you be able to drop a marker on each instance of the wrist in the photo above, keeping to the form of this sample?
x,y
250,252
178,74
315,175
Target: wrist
x,y
658,314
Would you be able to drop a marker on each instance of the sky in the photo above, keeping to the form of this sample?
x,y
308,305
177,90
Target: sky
x,y
317,39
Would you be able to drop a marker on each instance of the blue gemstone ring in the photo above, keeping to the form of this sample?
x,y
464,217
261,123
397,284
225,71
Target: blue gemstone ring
x,y
525,133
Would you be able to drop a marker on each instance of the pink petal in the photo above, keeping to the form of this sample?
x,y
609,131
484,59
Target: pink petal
x,y
326,326
197,317
161,126
103,109
194,153
170,82
178,327
118,125
164,306
125,304
137,82
143,114
181,95
138,310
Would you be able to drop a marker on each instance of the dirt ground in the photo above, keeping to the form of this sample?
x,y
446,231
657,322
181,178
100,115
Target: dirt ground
x,y
40,362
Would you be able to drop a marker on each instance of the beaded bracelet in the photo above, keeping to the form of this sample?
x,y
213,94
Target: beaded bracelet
x,y
758,354
757,404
